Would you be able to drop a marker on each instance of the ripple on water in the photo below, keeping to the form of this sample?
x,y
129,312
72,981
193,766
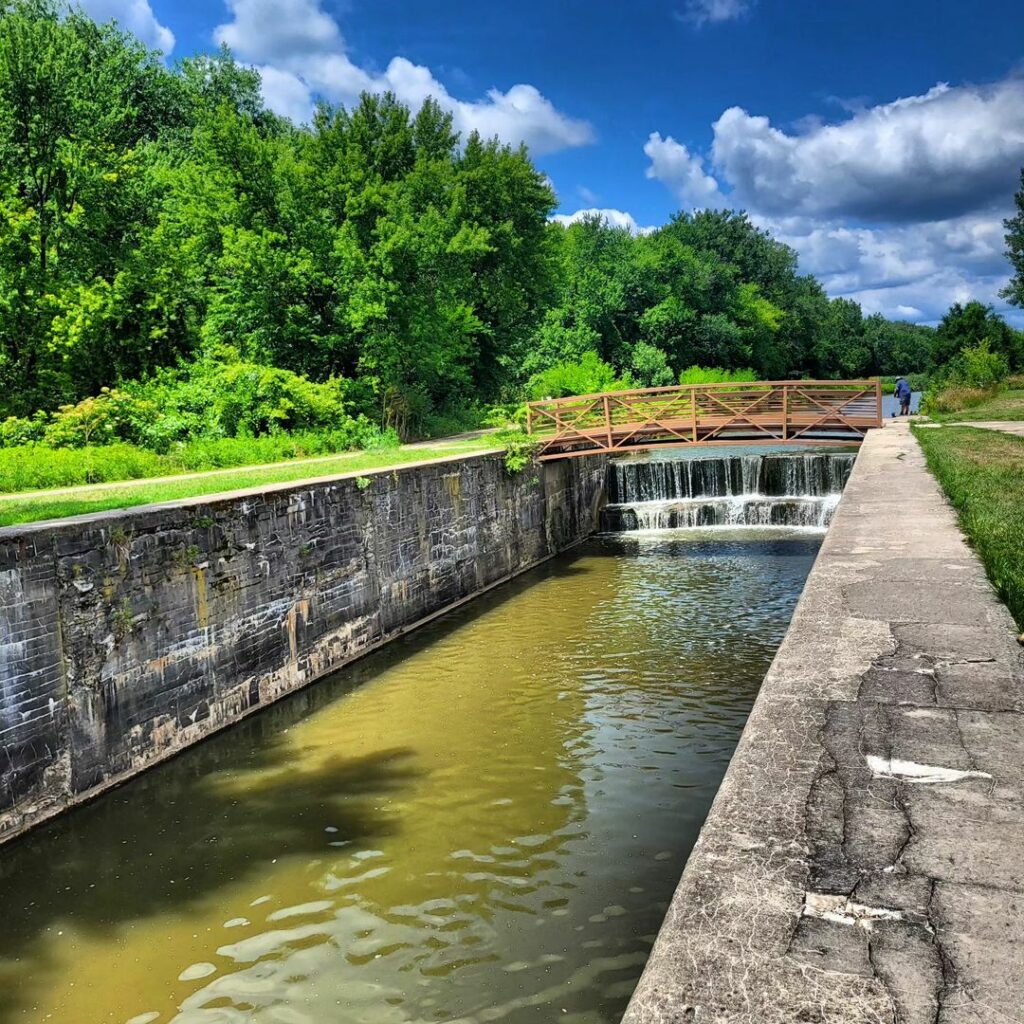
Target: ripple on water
x,y
483,822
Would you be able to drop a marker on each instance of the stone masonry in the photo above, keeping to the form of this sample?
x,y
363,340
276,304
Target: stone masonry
x,y
126,636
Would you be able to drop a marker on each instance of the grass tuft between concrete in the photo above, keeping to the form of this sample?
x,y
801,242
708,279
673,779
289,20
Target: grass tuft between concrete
x,y
982,473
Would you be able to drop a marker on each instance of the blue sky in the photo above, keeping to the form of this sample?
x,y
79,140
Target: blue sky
x,y
883,141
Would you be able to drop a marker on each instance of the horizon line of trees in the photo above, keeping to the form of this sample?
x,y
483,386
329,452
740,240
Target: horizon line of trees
x,y
155,217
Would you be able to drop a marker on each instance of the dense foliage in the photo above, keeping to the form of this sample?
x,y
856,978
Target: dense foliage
x,y
177,263
974,354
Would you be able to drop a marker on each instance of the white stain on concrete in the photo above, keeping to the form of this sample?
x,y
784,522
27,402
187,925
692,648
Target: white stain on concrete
x,y
842,910
911,771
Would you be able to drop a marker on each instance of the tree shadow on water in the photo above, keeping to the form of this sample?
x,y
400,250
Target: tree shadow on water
x,y
179,833
212,817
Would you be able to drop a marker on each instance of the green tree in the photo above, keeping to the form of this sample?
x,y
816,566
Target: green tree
x,y
77,101
649,366
1014,291
966,326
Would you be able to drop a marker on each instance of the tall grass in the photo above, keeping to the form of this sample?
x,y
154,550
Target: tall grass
x,y
36,466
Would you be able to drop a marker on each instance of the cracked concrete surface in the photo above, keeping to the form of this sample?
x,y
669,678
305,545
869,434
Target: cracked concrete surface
x,y
864,858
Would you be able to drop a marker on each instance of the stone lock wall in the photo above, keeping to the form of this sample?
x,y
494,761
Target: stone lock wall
x,y
127,636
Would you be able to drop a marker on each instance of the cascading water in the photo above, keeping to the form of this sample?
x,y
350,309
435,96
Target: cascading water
x,y
800,489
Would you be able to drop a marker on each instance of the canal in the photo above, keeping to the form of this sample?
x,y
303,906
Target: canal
x,y
483,821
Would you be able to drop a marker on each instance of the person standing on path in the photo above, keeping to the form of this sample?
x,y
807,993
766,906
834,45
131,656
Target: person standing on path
x,y
903,395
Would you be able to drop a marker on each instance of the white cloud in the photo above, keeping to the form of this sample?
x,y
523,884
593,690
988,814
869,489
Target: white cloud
x,y
941,154
285,93
899,205
299,46
682,171
700,12
270,32
614,218
135,16
906,271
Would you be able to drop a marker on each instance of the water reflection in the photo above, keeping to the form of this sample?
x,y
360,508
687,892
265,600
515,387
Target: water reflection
x,y
483,822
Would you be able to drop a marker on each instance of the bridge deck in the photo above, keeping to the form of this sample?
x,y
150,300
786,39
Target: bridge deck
x,y
764,412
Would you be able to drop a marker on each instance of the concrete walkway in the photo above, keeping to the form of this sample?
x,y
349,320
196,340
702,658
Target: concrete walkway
x,y
864,858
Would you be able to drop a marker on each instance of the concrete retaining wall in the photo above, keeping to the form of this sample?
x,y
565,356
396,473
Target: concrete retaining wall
x,y
127,636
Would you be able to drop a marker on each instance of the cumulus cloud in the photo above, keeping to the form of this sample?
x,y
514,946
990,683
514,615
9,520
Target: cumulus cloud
x,y
134,15
899,205
700,12
268,32
941,154
682,171
300,50
909,271
614,218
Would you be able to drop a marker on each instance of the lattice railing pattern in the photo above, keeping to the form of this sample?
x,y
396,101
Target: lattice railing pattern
x,y
762,412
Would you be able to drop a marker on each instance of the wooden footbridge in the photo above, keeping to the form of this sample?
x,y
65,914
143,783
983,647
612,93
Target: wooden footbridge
x,y
819,412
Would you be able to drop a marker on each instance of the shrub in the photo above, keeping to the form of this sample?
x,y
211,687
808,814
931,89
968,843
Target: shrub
x,y
971,377
35,466
650,366
715,375
588,376
519,447
955,399
215,398
505,414
110,416
17,430
977,366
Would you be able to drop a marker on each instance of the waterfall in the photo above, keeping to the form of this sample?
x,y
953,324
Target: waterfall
x,y
800,489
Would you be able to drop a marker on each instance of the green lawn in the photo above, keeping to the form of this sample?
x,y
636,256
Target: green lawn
x,y
40,505
1007,405
982,473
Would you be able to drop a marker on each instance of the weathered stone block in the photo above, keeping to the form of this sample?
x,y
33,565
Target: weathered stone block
x,y
126,636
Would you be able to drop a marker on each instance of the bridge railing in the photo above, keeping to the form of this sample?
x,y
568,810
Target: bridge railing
x,y
759,412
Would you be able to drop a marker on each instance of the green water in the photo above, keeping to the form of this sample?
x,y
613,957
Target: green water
x,y
482,822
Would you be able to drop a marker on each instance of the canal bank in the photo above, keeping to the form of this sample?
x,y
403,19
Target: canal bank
x,y
127,636
861,861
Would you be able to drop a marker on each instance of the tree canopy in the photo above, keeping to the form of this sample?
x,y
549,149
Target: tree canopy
x,y
153,217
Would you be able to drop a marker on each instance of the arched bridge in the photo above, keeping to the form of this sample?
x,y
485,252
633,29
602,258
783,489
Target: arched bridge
x,y
760,412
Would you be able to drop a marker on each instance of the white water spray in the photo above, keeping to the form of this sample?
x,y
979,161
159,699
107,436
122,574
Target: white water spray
x,y
797,490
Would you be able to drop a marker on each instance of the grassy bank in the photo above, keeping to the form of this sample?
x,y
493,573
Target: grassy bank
x,y
982,473
1003,405
98,498
30,467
